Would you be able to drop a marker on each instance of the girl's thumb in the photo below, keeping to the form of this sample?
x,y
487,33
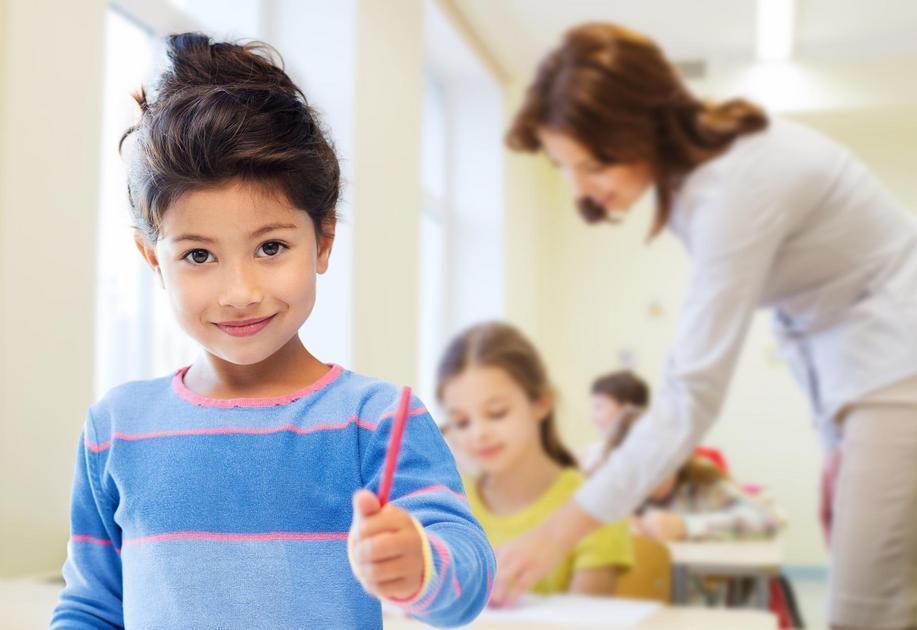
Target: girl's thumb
x,y
365,503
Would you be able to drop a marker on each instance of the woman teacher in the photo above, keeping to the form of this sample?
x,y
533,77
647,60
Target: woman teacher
x,y
772,214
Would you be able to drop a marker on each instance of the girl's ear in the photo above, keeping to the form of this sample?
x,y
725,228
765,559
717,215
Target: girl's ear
x,y
544,405
148,252
325,243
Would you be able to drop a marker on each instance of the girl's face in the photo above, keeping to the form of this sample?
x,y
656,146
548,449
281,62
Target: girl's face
x,y
238,264
606,411
492,421
615,187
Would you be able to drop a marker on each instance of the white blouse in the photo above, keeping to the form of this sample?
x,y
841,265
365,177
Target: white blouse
x,y
787,219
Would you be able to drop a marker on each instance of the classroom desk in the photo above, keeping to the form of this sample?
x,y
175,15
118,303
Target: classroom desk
x,y
759,560
666,618
27,603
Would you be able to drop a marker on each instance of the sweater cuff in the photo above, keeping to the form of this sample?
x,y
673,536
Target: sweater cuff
x,y
427,577
429,570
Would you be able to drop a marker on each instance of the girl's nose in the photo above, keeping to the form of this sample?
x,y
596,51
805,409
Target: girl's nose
x,y
240,288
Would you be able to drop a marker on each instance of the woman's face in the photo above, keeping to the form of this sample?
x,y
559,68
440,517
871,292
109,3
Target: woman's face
x,y
492,421
616,187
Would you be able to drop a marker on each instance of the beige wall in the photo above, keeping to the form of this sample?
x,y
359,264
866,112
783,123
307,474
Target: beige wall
x,y
49,152
386,188
601,291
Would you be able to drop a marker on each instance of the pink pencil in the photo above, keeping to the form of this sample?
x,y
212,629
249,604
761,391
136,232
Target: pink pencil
x,y
394,445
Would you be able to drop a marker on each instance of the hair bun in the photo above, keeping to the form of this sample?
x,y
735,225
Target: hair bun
x,y
195,60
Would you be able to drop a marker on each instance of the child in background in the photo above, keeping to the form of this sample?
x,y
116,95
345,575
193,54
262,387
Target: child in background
x,y
229,494
700,502
618,399
495,391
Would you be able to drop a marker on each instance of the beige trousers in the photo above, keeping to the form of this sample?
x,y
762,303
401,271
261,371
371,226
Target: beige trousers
x,y
873,576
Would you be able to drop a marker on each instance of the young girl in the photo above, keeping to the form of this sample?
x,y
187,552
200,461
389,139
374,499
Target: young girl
x,y
229,495
618,399
495,390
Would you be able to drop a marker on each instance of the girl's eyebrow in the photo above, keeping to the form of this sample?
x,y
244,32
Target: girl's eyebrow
x,y
193,237
262,230
270,227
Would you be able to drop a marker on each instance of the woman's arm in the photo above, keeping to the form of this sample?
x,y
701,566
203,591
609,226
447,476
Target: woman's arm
x,y
734,232
736,228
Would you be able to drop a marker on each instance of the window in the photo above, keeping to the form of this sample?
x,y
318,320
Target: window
x,y
136,336
461,232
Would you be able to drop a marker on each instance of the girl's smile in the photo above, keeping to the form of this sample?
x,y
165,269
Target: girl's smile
x,y
246,327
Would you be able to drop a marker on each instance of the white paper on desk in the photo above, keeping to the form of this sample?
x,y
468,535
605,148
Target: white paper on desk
x,y
575,610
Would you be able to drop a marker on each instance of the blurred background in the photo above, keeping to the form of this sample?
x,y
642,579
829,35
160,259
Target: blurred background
x,y
442,227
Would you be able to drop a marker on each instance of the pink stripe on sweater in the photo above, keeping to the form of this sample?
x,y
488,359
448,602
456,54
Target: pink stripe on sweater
x,y
232,537
178,385
328,426
89,539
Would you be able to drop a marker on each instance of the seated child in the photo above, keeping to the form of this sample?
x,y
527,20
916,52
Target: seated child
x,y
495,391
701,502
617,399
236,492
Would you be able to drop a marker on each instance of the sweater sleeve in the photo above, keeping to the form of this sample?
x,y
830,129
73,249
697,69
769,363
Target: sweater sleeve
x,y
459,561
92,595
735,228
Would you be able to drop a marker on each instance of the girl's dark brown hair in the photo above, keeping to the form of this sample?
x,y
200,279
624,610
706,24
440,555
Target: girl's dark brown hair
x,y
630,391
614,91
499,345
226,111
624,386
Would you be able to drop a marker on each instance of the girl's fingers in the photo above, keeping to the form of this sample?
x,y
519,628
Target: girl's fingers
x,y
388,519
397,589
378,573
384,546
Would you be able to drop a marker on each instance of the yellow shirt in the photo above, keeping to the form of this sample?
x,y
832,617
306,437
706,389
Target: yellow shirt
x,y
610,545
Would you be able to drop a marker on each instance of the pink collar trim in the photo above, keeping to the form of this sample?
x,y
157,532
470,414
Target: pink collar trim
x,y
178,385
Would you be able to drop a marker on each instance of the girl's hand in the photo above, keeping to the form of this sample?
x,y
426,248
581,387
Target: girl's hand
x,y
663,525
386,549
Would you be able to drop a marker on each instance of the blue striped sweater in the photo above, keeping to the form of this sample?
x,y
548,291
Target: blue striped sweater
x,y
190,512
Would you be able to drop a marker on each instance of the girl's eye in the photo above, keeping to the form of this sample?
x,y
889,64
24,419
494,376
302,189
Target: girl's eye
x,y
198,256
272,248
458,425
498,414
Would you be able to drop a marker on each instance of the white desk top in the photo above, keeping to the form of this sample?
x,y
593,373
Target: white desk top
x,y
666,618
27,604
734,557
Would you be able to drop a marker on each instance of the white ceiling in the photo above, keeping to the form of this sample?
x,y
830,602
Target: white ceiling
x,y
518,33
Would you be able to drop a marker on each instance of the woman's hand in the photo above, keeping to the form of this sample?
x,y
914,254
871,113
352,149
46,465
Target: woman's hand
x,y
663,525
525,560
386,549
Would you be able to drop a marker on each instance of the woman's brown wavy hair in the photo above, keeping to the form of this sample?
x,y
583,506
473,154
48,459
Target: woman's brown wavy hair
x,y
614,91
